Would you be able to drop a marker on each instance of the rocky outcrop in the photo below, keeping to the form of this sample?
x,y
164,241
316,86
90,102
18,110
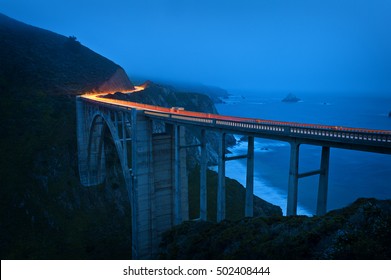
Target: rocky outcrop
x,y
119,81
359,231
215,93
291,98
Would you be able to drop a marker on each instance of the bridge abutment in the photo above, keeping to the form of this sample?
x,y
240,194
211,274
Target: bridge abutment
x,y
160,182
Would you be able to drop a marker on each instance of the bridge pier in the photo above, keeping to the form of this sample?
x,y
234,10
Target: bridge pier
x,y
294,176
249,198
321,208
203,186
221,180
293,180
177,172
159,183
143,189
91,157
249,204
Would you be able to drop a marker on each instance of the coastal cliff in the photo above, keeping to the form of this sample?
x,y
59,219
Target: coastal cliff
x,y
119,81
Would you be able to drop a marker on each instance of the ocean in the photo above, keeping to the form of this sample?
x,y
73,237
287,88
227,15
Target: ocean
x,y
353,174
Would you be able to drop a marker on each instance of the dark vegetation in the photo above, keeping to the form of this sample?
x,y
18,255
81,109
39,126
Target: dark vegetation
x,y
359,231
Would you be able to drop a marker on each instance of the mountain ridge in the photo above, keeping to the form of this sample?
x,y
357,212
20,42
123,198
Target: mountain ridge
x,y
40,58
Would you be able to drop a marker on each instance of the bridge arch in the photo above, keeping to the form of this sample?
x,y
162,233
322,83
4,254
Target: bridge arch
x,y
102,122
152,182
93,123
96,154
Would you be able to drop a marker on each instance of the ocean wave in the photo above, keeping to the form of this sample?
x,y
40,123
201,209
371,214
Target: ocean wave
x,y
260,145
262,188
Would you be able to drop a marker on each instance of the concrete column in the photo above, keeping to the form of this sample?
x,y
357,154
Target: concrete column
x,y
124,146
321,206
183,177
203,168
221,180
90,146
249,209
162,206
133,189
82,142
177,175
293,180
143,185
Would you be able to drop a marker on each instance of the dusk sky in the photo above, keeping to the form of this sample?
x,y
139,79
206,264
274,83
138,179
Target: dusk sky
x,y
268,45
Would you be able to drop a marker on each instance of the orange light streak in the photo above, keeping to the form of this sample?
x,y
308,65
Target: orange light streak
x,y
98,97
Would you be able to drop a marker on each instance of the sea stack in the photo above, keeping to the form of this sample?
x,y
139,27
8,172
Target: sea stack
x,y
291,98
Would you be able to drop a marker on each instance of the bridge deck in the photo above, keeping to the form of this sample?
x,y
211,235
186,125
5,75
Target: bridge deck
x,y
362,139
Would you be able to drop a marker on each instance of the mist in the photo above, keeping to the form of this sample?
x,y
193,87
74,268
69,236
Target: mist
x,y
302,46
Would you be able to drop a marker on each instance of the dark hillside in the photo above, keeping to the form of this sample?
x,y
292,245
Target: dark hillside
x,y
360,231
42,60
45,212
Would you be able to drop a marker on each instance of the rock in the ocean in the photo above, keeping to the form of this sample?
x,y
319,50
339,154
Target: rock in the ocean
x,y
291,98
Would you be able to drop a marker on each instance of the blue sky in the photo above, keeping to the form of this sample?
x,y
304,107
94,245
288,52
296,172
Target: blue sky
x,y
268,45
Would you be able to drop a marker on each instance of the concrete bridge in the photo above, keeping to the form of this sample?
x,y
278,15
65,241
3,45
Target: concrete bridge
x,y
150,144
